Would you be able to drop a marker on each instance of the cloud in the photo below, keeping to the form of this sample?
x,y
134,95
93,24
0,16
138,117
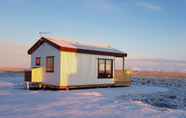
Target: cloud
x,y
99,5
148,6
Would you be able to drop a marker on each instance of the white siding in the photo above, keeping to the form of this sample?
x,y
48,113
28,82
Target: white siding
x,y
43,51
81,69
119,63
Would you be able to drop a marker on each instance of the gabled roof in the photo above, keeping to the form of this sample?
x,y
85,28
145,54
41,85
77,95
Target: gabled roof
x,y
76,47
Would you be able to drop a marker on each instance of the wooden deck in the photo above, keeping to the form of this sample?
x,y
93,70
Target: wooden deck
x,y
121,79
37,86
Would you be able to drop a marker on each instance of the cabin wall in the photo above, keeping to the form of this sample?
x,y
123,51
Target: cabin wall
x,y
51,78
119,63
81,69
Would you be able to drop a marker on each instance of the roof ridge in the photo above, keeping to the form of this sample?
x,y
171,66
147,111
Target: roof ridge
x,y
66,45
77,43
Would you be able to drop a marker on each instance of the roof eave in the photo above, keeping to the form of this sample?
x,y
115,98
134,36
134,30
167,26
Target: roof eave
x,y
43,39
40,42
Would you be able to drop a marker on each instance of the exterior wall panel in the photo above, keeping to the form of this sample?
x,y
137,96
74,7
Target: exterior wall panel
x,y
118,63
44,50
81,69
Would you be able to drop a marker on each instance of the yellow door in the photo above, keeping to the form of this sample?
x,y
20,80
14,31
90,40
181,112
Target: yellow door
x,y
37,74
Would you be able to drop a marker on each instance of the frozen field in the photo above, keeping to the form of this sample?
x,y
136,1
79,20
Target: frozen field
x,y
124,102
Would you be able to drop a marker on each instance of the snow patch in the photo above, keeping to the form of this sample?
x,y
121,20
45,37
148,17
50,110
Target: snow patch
x,y
6,84
96,94
87,103
4,93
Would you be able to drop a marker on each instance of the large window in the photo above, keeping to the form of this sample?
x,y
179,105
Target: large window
x,y
50,64
38,61
105,68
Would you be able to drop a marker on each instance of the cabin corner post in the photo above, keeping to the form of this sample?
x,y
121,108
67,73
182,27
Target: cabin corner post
x,y
123,63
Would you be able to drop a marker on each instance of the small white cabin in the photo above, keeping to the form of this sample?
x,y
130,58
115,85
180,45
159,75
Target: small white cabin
x,y
64,64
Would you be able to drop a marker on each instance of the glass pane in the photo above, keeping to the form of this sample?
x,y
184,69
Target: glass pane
x,y
108,66
50,64
37,61
101,66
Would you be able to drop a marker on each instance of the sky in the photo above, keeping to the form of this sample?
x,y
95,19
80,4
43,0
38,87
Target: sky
x,y
142,28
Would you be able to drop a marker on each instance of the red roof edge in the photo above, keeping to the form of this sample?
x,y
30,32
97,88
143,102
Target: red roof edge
x,y
68,49
40,42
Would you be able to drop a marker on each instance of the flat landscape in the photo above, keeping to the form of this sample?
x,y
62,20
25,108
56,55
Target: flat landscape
x,y
158,74
133,48
12,69
138,101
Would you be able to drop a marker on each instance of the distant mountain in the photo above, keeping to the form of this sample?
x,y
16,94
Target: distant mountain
x,y
156,65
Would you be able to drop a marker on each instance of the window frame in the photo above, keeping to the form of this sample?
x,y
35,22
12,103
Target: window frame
x,y
36,62
104,75
47,64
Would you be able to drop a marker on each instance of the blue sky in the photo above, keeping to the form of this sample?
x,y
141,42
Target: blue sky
x,y
143,28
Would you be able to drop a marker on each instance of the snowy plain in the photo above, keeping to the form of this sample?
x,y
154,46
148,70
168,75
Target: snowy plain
x,y
16,102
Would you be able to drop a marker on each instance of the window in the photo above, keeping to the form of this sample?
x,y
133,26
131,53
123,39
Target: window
x,y
105,68
50,64
38,61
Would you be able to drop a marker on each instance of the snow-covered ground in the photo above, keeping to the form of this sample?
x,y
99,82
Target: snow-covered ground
x,y
174,98
15,102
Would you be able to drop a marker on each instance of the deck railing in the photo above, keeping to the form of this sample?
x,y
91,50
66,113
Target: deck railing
x,y
122,77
